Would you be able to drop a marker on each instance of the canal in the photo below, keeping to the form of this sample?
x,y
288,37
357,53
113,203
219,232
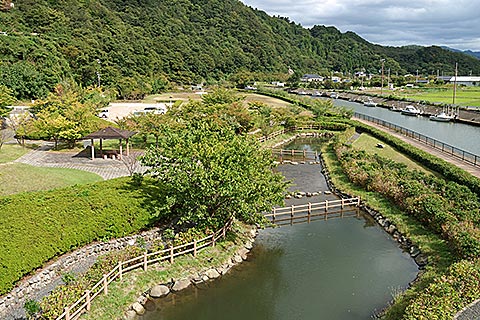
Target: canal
x,y
459,135
337,269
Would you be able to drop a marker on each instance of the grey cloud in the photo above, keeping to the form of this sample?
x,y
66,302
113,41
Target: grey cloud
x,y
424,22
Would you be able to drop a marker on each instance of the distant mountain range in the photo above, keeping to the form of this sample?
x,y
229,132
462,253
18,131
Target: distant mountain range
x,y
144,46
475,54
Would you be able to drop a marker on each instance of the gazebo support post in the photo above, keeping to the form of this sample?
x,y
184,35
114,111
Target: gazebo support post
x,y
92,149
101,147
121,151
128,151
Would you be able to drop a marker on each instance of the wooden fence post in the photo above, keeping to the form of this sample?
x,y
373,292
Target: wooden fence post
x,y
304,154
358,201
326,209
309,211
292,213
120,271
171,253
67,313
88,300
145,261
224,232
195,248
105,284
274,213
213,240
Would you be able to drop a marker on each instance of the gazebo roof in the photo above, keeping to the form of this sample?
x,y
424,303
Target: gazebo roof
x,y
110,133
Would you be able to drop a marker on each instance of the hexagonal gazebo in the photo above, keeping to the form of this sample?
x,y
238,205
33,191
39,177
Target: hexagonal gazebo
x,y
110,133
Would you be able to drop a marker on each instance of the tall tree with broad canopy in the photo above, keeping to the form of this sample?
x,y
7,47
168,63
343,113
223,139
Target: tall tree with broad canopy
x,y
208,175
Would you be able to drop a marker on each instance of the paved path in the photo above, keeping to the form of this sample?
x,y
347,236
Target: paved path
x,y
474,170
44,157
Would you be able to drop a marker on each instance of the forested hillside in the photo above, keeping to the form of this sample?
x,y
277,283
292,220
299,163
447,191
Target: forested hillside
x,y
139,46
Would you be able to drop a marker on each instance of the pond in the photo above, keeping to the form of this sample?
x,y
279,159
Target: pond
x,y
337,269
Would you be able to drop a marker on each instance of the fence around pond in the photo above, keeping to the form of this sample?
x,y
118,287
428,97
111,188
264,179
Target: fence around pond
x,y
83,304
292,154
314,211
444,147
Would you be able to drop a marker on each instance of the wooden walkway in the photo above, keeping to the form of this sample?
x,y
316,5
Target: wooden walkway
x,y
306,213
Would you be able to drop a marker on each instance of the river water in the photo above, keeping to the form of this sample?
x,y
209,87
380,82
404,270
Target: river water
x,y
462,136
337,269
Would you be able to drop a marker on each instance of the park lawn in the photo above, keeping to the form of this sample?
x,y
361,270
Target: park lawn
x,y
11,152
369,144
17,177
467,96
270,101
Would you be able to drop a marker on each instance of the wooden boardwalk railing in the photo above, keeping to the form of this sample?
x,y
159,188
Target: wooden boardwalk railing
x,y
83,304
295,154
315,211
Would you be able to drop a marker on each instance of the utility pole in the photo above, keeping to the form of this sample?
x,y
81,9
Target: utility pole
x,y
381,89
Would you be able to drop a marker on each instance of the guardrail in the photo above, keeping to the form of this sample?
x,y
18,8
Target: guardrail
x,y
439,145
83,304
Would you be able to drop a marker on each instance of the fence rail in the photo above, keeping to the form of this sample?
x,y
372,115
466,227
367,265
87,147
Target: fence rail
x,y
439,145
83,304
295,154
307,212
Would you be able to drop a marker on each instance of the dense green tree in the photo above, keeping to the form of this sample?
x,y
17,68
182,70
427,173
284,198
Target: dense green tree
x,y
208,175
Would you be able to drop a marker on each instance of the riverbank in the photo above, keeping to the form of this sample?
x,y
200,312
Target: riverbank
x,y
465,116
139,290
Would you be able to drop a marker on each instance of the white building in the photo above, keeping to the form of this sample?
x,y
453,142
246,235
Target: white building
x,y
466,81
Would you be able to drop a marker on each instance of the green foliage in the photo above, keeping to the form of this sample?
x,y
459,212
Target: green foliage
x,y
207,170
50,220
31,307
144,47
443,298
68,114
208,175
6,98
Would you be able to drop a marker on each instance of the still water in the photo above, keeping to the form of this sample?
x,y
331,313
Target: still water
x,y
337,269
459,135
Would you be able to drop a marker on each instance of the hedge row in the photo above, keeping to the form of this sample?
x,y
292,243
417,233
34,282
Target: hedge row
x,y
441,299
36,227
446,169
447,208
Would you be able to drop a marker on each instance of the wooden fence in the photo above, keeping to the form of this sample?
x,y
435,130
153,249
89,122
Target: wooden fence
x,y
315,211
295,154
272,135
83,304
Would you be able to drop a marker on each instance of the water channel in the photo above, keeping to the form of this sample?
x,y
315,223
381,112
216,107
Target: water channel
x,y
462,136
337,269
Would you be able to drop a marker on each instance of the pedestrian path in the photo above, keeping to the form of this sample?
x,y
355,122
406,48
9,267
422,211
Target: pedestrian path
x,y
44,157
474,170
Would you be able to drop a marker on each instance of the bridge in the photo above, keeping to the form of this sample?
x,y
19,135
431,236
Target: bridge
x,y
314,211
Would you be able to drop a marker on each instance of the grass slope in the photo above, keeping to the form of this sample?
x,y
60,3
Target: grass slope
x,y
37,226
17,177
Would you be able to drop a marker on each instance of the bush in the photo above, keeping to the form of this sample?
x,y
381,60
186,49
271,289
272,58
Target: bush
x,y
35,227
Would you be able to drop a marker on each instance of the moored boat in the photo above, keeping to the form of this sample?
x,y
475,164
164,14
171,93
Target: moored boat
x,y
369,103
442,117
411,111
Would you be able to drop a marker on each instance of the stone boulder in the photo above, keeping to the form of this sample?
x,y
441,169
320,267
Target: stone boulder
x,y
181,284
138,308
212,273
159,291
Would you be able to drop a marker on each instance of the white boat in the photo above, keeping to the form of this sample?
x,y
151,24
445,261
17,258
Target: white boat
x,y
442,117
316,94
369,103
334,95
411,111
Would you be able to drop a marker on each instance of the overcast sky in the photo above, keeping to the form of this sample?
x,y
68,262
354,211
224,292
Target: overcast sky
x,y
454,23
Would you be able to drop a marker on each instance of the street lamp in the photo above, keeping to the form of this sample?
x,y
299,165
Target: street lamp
x,y
381,88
